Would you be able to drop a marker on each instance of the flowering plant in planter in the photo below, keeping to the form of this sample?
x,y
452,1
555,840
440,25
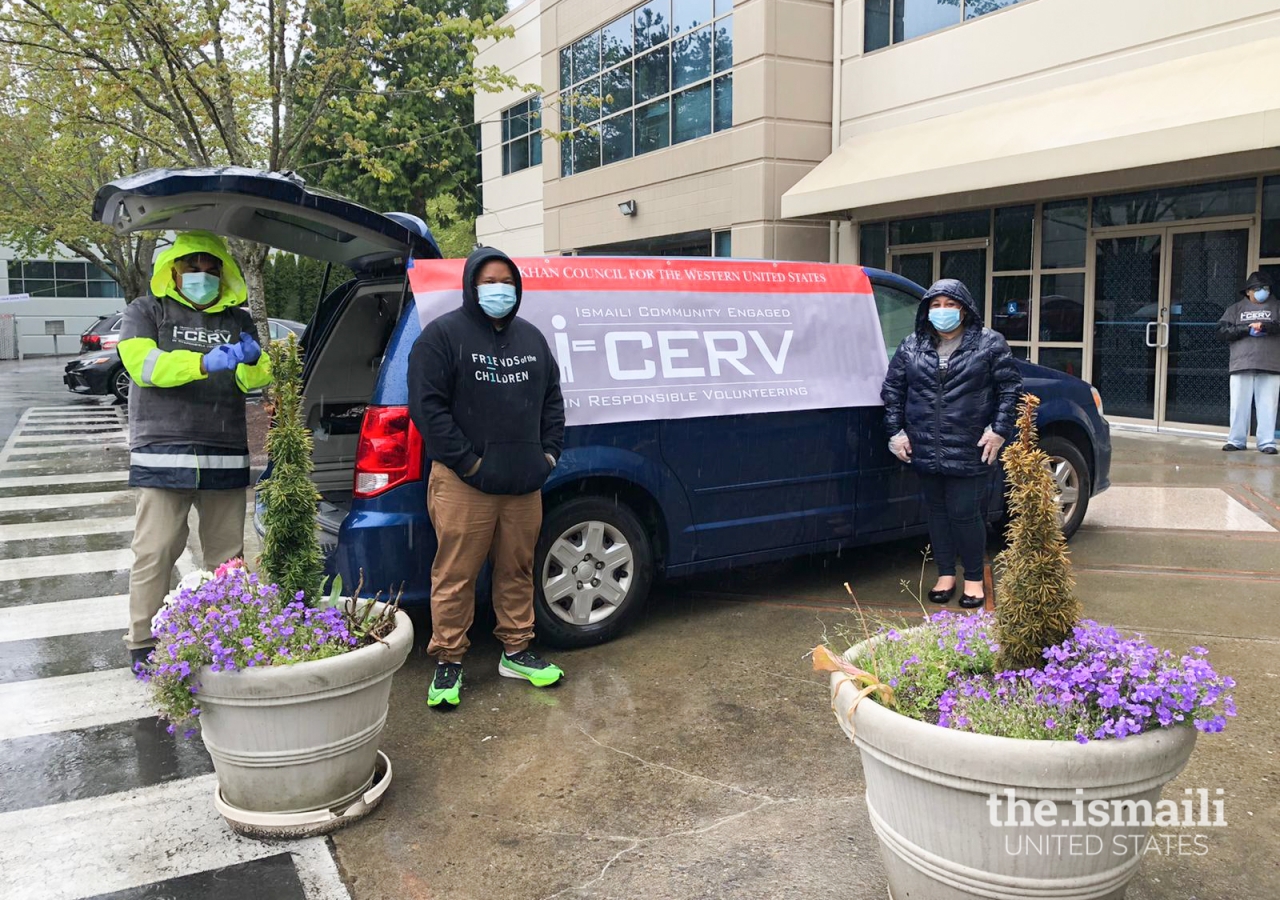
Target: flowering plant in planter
x,y
1032,669
1096,684
230,620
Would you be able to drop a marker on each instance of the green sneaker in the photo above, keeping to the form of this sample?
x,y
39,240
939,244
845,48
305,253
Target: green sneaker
x,y
532,668
446,685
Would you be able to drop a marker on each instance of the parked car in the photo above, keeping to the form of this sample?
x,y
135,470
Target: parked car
x,y
100,371
814,481
103,334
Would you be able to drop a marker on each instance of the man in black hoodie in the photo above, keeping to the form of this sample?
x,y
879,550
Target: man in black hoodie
x,y
484,391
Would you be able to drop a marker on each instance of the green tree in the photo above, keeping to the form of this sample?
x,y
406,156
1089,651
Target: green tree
x,y
413,141
1035,604
163,82
291,554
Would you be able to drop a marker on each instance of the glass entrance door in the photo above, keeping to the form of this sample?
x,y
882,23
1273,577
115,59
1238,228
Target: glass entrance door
x,y
1157,301
1126,307
1206,269
924,267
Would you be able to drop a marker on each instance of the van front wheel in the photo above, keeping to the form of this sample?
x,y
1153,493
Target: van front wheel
x,y
592,571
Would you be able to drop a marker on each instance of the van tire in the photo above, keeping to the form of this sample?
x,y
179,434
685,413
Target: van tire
x,y
589,526
1074,470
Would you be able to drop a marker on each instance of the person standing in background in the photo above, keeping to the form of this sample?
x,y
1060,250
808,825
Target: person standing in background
x,y
1252,326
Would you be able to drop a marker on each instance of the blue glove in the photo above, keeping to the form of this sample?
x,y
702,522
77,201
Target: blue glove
x,y
223,358
250,350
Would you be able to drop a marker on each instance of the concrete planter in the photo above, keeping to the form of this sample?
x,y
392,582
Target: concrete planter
x,y
302,737
928,790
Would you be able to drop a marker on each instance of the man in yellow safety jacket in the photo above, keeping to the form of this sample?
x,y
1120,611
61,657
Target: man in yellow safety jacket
x,y
192,354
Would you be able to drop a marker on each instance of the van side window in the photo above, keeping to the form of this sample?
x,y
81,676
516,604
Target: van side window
x,y
897,311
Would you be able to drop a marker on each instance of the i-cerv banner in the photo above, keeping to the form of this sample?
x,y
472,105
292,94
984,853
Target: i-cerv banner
x,y
672,338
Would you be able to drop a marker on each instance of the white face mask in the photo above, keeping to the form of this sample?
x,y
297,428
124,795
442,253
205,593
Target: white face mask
x,y
1262,295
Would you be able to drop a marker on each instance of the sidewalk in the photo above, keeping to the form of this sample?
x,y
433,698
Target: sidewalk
x,y
697,756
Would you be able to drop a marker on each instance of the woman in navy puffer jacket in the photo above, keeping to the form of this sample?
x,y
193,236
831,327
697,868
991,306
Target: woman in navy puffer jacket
x,y
950,402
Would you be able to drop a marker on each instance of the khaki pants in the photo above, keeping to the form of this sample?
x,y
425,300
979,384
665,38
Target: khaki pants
x,y
470,527
159,537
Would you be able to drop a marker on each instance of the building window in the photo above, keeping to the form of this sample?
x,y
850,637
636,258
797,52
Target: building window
x,y
47,278
722,243
522,135
893,21
660,75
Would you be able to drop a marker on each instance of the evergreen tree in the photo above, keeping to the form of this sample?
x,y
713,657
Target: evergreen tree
x,y
1035,606
414,140
290,552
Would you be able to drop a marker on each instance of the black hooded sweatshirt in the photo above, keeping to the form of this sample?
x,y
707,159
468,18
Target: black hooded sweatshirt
x,y
480,389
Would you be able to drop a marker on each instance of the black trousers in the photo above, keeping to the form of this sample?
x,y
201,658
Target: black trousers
x,y
957,507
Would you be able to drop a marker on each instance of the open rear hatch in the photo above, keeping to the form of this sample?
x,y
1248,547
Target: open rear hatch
x,y
271,208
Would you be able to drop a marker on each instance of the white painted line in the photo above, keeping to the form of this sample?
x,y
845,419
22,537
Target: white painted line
x,y
57,501
20,481
63,451
45,620
32,531
66,564
44,705
114,433
25,465
71,426
101,845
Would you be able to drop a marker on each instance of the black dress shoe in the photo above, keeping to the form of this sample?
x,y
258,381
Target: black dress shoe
x,y
942,597
1231,447
139,657
967,602
1270,451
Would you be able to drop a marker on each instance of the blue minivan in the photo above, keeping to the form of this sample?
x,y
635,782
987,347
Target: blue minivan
x,y
655,499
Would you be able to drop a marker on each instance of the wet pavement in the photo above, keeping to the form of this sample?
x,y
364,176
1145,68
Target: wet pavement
x,y
695,757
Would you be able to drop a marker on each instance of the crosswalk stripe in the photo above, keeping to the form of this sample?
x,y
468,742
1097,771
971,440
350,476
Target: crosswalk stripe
x,y
101,845
25,465
71,426
46,620
67,564
30,531
71,701
114,433
19,481
55,450
56,501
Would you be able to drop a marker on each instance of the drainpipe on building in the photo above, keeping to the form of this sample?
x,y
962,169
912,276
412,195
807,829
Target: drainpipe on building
x,y
837,54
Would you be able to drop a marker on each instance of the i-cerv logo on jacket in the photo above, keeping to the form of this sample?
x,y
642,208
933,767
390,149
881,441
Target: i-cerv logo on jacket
x,y
1255,315
199,337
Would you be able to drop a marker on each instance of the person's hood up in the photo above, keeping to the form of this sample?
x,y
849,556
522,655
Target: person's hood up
x,y
234,291
475,262
1256,280
949,287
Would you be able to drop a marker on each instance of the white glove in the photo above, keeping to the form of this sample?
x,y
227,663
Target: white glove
x,y
990,443
900,446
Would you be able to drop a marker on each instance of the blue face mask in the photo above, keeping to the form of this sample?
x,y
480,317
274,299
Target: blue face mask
x,y
1262,295
945,319
497,300
199,287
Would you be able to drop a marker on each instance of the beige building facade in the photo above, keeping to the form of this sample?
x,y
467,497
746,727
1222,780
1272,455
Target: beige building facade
x,y
1102,174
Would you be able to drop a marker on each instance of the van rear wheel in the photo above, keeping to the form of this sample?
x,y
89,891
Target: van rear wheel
x,y
592,572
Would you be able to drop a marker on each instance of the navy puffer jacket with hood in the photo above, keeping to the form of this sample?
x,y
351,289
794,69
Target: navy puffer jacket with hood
x,y
487,391
945,411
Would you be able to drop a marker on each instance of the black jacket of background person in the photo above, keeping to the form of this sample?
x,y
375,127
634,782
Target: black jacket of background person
x,y
945,411
477,391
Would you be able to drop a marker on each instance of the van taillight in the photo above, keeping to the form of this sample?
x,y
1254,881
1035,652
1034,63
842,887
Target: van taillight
x,y
389,453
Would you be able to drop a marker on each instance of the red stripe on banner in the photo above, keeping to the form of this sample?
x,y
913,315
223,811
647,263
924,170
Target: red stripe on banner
x,y
671,274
